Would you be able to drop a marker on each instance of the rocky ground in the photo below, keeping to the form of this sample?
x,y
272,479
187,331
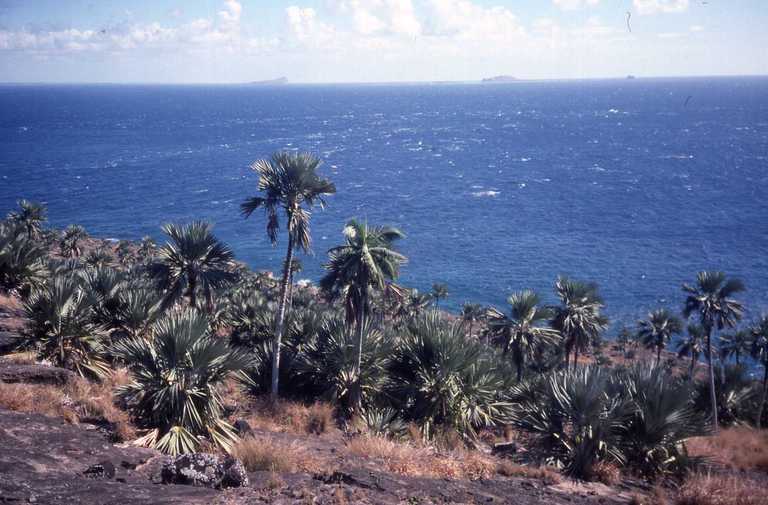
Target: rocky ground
x,y
48,461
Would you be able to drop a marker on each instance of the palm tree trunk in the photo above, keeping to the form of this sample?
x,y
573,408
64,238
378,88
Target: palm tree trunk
x,y
360,327
575,357
759,419
281,318
470,328
712,395
693,366
192,291
290,291
658,355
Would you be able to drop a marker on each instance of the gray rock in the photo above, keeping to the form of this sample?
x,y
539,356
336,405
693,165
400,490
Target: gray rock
x,y
35,374
505,449
103,470
205,470
242,427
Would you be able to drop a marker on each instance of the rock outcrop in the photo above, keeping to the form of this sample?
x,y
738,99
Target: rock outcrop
x,y
35,374
206,470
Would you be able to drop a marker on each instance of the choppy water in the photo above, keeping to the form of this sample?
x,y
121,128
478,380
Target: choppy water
x,y
499,187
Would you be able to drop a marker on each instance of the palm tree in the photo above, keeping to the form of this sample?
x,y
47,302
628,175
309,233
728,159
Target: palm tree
x,y
30,216
192,260
176,373
70,241
363,264
735,344
439,292
60,327
692,346
759,351
711,299
578,318
22,261
471,313
658,329
289,182
524,329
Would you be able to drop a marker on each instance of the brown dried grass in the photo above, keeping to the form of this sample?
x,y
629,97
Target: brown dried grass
x,y
548,476
289,417
265,454
740,448
722,490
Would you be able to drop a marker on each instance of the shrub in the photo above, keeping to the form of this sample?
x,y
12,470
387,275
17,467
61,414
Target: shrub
x,y
22,260
60,327
175,377
443,380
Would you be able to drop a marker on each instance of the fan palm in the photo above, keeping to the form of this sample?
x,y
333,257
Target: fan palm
x,y
60,327
30,217
289,182
656,331
470,314
578,318
175,375
362,265
759,351
439,292
192,261
22,261
69,245
524,329
443,380
693,346
711,299
327,363
736,344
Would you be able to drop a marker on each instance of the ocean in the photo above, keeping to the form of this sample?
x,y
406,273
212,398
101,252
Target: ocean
x,y
634,184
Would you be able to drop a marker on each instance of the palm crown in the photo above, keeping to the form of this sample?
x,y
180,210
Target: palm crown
x,y
578,318
193,259
657,330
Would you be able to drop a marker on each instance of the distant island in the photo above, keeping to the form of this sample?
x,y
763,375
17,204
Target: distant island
x,y
500,78
270,82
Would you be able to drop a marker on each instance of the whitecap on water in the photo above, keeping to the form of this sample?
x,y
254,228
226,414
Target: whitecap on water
x,y
489,193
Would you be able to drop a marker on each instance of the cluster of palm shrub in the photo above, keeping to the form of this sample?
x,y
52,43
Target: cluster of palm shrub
x,y
183,317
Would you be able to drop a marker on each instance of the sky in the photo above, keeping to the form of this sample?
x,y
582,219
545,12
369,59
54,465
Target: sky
x,y
317,41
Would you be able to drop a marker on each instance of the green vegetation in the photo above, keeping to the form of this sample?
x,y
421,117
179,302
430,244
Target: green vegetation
x,y
183,317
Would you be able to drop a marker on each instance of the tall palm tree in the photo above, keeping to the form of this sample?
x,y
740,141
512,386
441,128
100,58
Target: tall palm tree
x,y
578,318
362,265
289,182
439,292
192,261
30,216
710,298
524,329
471,313
759,351
692,346
658,330
736,344
70,241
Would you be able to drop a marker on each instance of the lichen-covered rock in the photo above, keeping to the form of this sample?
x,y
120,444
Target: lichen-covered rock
x,y
202,469
103,470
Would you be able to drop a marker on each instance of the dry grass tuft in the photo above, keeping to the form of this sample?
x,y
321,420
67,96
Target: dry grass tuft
x,y
607,473
20,358
405,458
722,490
739,448
264,454
291,417
36,399
548,476
657,497
78,400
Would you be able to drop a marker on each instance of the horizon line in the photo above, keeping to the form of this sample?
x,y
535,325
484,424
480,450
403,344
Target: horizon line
x,y
270,83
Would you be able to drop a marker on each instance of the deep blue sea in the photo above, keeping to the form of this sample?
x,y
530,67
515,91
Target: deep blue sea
x,y
634,184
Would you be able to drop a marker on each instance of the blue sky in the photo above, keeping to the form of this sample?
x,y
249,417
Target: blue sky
x,y
377,40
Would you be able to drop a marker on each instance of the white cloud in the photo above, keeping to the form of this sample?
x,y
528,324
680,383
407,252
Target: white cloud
x,y
572,5
660,6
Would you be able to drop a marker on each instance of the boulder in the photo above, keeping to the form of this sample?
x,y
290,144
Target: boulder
x,y
103,470
203,469
35,374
